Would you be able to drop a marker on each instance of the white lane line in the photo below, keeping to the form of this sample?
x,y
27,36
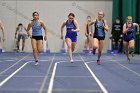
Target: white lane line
x,y
50,88
73,76
91,62
44,60
1,61
13,65
134,72
77,90
104,90
9,77
130,70
58,90
104,60
24,90
68,61
115,61
46,76
9,60
19,76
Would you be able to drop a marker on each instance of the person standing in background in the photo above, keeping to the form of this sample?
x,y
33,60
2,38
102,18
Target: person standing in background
x,y
21,30
88,34
2,29
117,32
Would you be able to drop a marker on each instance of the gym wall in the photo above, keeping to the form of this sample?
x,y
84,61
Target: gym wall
x,y
53,13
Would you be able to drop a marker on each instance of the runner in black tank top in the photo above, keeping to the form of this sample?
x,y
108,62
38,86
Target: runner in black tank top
x,y
99,34
88,34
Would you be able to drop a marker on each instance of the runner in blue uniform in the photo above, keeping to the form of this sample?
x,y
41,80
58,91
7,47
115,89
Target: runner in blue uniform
x,y
36,36
71,34
128,37
99,34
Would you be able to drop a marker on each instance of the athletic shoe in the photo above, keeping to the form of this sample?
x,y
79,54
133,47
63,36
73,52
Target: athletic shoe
x,y
112,52
128,60
22,51
36,63
98,62
132,53
115,54
18,50
90,51
71,61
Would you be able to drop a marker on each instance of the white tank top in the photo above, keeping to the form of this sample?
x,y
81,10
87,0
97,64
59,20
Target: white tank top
x,y
21,30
